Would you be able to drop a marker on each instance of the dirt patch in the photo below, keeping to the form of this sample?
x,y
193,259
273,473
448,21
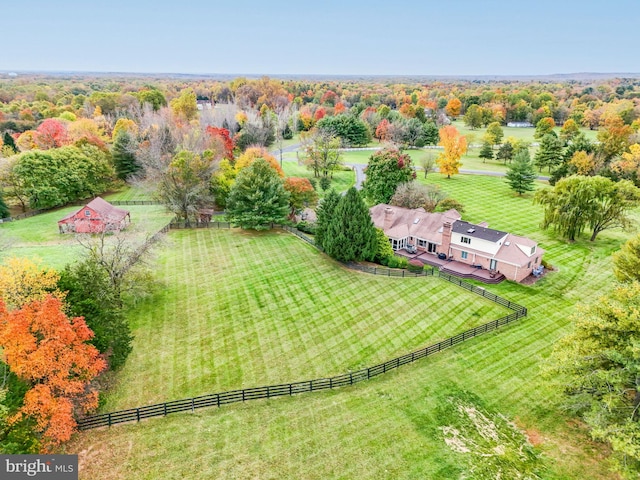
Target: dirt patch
x,y
533,435
530,280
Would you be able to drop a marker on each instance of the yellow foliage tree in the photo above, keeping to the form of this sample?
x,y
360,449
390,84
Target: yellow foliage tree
x,y
629,161
252,153
584,162
124,124
453,107
23,281
455,146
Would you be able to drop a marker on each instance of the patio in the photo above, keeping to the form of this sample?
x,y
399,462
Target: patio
x,y
459,269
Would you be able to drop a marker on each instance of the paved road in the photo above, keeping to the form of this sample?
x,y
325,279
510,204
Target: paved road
x,y
360,175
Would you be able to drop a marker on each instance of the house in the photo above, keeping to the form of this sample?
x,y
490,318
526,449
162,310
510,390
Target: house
x,y
446,236
96,216
520,124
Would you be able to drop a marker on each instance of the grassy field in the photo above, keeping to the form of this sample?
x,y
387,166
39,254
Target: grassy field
x,y
525,134
392,427
38,237
342,180
241,309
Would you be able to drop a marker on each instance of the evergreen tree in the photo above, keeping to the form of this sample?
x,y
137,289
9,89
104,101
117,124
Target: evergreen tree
x,y
124,160
550,152
258,197
351,235
324,214
91,295
4,210
521,174
505,152
486,152
8,141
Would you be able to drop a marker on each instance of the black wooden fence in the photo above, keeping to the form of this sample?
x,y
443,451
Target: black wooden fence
x,y
270,391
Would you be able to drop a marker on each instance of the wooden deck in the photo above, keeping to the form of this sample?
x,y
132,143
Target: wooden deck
x,y
459,269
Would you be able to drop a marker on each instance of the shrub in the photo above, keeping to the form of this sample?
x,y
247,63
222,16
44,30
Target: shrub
x,y
306,227
415,266
397,262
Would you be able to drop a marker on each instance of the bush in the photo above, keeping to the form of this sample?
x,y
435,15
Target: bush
x,y
415,266
325,183
397,262
306,227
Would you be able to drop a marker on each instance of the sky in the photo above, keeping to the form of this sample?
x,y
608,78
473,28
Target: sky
x,y
330,37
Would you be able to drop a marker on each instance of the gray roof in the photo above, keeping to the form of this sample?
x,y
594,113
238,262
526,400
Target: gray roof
x,y
476,231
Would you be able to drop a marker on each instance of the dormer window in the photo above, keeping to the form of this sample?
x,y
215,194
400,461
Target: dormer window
x,y
466,240
533,250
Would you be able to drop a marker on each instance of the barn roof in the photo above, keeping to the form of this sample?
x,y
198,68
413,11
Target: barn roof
x,y
103,208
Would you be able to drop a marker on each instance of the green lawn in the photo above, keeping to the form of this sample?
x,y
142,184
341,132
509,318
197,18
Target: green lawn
x,y
38,237
240,309
128,192
389,428
342,179
525,134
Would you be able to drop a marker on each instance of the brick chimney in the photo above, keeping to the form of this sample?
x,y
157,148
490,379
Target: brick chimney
x,y
446,238
388,218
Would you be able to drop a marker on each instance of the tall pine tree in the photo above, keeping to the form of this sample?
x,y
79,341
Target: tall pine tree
x,y
550,152
4,210
258,197
521,174
124,160
351,235
324,214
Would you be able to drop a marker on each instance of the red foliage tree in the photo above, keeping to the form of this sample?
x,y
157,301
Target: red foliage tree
x,y
301,194
320,113
51,134
227,141
47,349
382,130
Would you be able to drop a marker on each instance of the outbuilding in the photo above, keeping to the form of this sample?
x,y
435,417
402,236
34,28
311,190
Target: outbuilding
x,y
96,216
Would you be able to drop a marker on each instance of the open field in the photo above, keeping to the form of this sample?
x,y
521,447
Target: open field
x,y
38,237
342,179
388,428
243,309
525,134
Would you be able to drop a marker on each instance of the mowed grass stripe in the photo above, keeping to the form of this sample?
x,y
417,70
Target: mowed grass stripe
x,y
240,309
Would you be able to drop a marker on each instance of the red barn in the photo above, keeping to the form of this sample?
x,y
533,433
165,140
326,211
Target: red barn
x,y
97,216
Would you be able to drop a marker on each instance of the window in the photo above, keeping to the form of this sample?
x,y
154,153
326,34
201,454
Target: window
x,y
422,243
533,250
529,265
464,255
87,213
537,258
465,240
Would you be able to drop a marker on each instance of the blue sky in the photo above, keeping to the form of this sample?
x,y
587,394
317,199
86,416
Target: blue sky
x,y
394,37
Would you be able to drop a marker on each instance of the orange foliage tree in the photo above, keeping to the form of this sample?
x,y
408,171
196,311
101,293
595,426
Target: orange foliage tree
x,y
301,194
455,145
47,349
453,107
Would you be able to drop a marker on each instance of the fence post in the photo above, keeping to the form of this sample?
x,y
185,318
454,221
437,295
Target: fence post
x,y
109,418
193,405
165,409
290,390
138,414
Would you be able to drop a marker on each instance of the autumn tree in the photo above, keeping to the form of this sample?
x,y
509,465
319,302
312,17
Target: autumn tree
x,y
351,235
455,146
386,170
453,108
22,281
614,138
186,105
569,130
184,187
597,366
521,175
51,133
416,195
321,153
301,195
626,261
254,153
49,350
258,197
544,127
473,117
494,134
